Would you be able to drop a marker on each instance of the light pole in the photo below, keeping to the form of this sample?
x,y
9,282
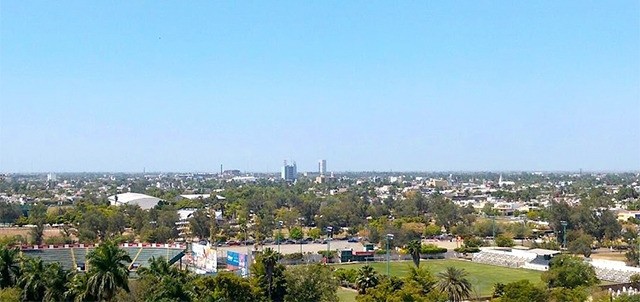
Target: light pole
x,y
524,231
564,233
493,227
279,234
246,241
389,237
329,234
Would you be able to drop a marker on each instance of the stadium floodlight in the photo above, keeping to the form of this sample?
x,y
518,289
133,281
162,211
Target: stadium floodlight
x,y
389,237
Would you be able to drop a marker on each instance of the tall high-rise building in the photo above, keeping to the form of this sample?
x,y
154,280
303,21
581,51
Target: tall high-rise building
x,y
289,172
322,166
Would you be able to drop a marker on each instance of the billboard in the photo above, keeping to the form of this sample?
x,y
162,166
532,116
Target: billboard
x,y
237,261
203,258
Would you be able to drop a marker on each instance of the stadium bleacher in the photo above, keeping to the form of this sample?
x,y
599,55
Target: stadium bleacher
x,y
502,258
538,259
140,255
62,256
614,271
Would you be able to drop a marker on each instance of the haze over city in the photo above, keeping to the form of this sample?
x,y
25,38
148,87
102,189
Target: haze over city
x,y
411,86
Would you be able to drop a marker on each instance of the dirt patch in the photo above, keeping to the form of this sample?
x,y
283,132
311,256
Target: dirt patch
x,y
619,256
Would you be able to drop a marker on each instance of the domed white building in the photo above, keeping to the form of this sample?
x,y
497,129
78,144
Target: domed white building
x,y
144,201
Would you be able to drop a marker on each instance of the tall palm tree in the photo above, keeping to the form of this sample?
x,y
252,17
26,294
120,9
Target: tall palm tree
x,y
413,248
108,270
269,259
9,266
454,283
33,279
55,281
367,278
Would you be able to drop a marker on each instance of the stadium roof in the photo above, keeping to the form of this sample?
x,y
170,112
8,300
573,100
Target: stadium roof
x,y
195,196
144,201
542,252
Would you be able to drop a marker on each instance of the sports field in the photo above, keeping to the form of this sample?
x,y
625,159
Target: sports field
x,y
482,276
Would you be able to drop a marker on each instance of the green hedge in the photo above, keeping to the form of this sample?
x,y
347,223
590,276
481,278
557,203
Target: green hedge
x,y
293,256
325,253
431,249
467,250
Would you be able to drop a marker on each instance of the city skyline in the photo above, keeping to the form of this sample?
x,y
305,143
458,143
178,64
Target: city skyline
x,y
438,86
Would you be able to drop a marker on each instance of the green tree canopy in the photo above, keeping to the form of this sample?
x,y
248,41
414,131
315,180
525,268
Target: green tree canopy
x,y
569,272
311,283
523,291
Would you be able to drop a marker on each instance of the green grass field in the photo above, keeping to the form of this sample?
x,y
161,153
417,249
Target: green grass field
x,y
346,295
482,276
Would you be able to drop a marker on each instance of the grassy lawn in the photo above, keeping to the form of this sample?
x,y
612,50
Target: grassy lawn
x,y
482,276
346,295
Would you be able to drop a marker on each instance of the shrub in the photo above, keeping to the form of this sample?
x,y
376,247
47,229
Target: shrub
x,y
346,275
331,254
467,249
473,242
380,252
57,240
12,240
504,241
432,249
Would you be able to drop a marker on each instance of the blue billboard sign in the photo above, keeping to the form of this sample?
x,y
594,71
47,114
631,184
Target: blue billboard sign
x,y
233,258
237,261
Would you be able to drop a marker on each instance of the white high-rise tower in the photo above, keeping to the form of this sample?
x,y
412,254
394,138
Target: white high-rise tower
x,y
322,166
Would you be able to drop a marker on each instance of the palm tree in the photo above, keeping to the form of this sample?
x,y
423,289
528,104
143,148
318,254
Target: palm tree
x,y
33,279
269,259
367,278
168,281
414,247
9,266
157,267
56,281
108,270
454,283
77,289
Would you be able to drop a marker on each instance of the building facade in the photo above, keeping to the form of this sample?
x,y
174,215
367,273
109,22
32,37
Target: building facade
x,y
322,166
289,172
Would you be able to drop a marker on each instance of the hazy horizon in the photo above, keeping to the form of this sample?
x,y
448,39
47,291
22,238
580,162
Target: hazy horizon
x,y
337,172
410,86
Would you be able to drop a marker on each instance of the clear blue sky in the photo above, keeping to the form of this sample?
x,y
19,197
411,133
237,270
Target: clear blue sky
x,y
366,85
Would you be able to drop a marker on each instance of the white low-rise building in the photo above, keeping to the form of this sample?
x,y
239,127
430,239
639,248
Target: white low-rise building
x,y
144,201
